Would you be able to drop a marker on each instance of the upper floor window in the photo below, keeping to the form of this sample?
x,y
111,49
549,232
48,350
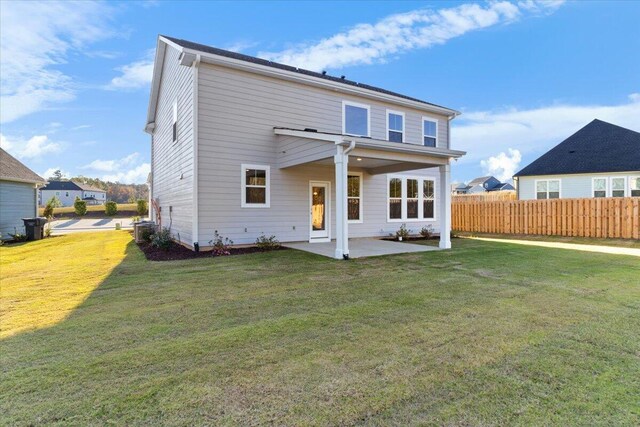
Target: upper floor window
x,y
355,119
634,186
599,187
548,189
174,126
255,186
395,126
429,132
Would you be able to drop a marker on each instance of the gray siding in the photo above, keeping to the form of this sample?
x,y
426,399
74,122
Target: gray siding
x,y
237,113
571,186
17,201
46,195
172,172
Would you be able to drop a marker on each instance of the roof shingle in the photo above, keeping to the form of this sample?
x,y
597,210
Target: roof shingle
x,y
13,170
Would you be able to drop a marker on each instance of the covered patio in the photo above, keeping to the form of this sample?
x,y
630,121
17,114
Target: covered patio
x,y
362,247
376,157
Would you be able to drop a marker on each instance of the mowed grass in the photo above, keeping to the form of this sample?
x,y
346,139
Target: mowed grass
x,y
484,334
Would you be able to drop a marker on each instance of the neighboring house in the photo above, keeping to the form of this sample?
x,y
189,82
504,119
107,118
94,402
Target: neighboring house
x,y
18,193
246,146
483,185
600,160
67,191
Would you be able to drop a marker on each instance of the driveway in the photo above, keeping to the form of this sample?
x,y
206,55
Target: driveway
x,y
90,224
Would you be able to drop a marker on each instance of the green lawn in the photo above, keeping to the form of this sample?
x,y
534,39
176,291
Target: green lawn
x,y
484,334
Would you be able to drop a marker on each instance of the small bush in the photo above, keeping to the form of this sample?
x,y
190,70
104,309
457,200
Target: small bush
x,y
162,239
80,207
47,230
147,234
267,243
142,207
403,232
426,232
54,202
111,208
18,237
221,245
48,211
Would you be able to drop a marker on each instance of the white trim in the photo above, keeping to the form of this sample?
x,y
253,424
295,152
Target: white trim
x,y
357,105
403,207
404,124
606,186
327,219
243,186
535,187
361,181
429,119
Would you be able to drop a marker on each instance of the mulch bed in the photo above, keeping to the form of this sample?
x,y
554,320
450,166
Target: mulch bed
x,y
410,238
178,252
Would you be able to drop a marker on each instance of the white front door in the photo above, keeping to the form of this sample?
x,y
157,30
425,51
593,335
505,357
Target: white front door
x,y
319,210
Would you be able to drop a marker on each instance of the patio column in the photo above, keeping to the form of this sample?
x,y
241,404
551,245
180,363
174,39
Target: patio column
x,y
341,161
445,206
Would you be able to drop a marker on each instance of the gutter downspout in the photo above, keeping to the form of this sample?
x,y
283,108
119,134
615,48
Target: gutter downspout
x,y
195,211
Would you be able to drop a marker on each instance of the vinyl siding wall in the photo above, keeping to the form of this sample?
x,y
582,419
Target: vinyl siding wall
x,y
237,113
46,195
172,172
571,186
17,201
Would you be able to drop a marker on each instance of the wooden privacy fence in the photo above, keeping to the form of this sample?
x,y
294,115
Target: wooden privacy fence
x,y
486,196
617,217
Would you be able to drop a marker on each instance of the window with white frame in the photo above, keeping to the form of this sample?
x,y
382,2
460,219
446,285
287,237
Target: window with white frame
x,y
634,186
395,126
355,119
548,189
599,187
429,132
411,199
354,197
174,126
255,186
618,185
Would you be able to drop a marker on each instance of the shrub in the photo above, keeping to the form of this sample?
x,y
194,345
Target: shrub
x,y
143,207
267,243
147,233
1,241
111,208
18,237
426,232
47,230
402,233
80,207
162,239
48,211
221,245
54,202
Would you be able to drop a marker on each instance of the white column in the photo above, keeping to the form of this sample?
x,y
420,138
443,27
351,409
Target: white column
x,y
341,161
445,207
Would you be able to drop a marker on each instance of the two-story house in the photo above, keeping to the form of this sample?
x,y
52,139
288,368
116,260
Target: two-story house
x,y
246,146
68,191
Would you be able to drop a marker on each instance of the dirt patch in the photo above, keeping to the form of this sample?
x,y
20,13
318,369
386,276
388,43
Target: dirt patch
x,y
179,252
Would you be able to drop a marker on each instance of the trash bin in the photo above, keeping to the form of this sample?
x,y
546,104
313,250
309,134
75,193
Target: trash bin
x,y
34,227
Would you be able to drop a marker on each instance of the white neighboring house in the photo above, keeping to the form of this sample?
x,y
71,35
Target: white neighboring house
x,y
67,191
599,160
246,146
18,193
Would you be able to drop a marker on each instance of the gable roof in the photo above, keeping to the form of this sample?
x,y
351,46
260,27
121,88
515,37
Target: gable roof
x,y
87,187
71,186
479,181
11,169
599,147
189,47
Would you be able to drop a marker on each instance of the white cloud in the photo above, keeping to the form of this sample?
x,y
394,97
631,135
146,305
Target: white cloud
x,y
49,172
125,170
29,52
36,146
240,46
503,166
79,127
112,165
370,43
533,131
136,75
136,175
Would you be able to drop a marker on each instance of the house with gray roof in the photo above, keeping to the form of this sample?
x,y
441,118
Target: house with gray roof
x,y
67,191
18,193
483,184
599,160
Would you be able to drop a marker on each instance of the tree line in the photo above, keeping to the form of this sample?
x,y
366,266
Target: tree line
x,y
118,192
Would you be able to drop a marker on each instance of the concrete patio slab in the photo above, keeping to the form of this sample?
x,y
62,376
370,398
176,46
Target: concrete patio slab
x,y
359,248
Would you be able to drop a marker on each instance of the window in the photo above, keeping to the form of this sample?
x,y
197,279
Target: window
x,y
395,198
428,199
618,185
174,127
429,132
255,186
355,119
634,186
548,189
411,199
57,193
66,194
354,197
599,187
395,126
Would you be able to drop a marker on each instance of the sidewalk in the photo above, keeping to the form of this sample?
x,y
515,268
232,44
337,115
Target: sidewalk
x,y
572,246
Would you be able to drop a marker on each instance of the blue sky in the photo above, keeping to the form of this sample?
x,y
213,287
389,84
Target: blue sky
x,y
75,77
